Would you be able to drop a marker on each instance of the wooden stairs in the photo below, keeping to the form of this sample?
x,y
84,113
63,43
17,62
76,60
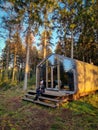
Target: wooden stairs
x,y
49,98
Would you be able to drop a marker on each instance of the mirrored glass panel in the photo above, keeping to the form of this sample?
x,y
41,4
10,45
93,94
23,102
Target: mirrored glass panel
x,y
66,75
57,73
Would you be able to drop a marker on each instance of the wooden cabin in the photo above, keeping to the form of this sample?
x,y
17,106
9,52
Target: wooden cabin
x,y
64,79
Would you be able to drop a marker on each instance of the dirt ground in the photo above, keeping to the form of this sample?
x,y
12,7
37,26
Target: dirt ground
x,y
16,114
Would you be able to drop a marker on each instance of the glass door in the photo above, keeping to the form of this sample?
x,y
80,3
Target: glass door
x,y
49,71
52,77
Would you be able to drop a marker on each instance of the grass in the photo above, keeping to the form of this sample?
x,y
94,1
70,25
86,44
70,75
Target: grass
x,y
16,114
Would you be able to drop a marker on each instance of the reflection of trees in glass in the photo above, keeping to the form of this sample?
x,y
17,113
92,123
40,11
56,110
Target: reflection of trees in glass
x,y
43,72
62,73
66,77
55,73
49,73
70,80
67,64
51,60
66,73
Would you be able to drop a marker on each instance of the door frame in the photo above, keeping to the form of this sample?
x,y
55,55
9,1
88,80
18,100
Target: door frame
x,y
52,76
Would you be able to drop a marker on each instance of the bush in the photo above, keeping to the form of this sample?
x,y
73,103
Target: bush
x,y
32,81
5,85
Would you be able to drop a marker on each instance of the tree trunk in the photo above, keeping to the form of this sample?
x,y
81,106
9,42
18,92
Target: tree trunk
x,y
72,44
26,67
7,63
45,46
14,67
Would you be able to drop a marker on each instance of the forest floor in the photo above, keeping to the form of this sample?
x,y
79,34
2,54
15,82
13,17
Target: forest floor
x,y
16,114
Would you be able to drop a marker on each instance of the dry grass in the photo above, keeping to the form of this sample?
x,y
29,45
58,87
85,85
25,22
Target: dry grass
x,y
16,114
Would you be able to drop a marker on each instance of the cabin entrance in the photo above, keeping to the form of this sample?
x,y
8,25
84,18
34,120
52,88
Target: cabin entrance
x,y
58,73
52,77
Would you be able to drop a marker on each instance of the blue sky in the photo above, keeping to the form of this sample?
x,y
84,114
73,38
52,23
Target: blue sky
x,y
2,40
4,32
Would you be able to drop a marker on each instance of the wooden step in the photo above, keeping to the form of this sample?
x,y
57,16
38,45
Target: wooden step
x,y
44,98
50,99
30,95
54,93
40,102
32,92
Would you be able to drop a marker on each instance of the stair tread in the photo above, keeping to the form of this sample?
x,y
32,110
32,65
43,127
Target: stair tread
x,y
46,98
32,91
50,99
31,95
51,93
40,102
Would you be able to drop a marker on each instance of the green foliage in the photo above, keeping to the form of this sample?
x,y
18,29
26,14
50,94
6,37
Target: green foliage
x,y
31,81
7,84
4,85
81,107
86,105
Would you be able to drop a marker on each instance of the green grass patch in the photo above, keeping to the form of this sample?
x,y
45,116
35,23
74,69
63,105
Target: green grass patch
x,y
16,114
81,107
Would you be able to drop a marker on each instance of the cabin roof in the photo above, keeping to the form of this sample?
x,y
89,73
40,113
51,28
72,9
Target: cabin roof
x,y
60,58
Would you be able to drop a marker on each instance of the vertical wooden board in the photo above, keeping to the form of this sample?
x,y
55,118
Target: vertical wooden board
x,y
80,76
87,75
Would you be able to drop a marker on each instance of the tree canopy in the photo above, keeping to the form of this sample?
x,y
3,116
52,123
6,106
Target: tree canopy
x,y
30,26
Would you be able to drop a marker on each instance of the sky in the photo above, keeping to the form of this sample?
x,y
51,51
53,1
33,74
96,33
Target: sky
x,y
37,41
2,40
3,32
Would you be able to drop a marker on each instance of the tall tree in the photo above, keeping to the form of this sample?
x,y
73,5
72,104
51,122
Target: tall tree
x,y
9,24
28,13
65,23
29,40
34,59
16,47
45,44
87,21
47,9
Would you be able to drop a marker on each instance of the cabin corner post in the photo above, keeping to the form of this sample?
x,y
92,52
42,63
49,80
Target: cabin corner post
x,y
52,77
58,73
47,74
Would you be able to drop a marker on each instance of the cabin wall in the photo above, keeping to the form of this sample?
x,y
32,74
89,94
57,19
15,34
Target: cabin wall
x,y
87,76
